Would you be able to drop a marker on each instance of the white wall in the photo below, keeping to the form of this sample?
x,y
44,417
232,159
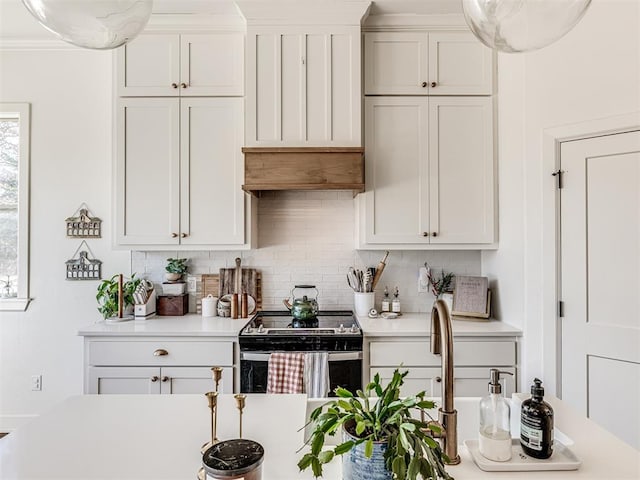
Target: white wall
x,y
70,96
593,72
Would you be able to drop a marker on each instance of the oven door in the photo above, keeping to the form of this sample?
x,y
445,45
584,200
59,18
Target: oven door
x,y
345,370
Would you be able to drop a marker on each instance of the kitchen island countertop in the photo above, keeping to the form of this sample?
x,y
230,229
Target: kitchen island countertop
x,y
194,325
159,436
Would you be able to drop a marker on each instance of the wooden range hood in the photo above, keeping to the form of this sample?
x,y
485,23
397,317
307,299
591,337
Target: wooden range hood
x,y
303,168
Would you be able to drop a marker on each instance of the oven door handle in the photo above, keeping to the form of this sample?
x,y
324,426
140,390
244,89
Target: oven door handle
x,y
333,356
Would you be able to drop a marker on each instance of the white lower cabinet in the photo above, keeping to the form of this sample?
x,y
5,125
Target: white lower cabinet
x,y
473,359
156,366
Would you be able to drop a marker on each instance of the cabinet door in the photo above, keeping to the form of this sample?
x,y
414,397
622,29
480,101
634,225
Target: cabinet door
x,y
123,380
395,63
211,64
147,171
303,88
396,170
149,66
459,65
461,170
417,380
212,168
193,380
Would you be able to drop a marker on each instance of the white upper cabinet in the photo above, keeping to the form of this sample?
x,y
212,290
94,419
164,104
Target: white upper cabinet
x,y
179,172
167,64
426,63
303,86
429,173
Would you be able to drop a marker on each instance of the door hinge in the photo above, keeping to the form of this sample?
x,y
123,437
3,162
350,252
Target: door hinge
x,y
560,309
559,174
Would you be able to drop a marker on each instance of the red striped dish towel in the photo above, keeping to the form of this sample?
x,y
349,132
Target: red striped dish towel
x,y
285,373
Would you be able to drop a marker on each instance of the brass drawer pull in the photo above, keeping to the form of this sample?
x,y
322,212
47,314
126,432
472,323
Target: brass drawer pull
x,y
174,85
434,234
160,352
154,378
425,234
165,379
438,379
183,85
434,84
174,235
424,84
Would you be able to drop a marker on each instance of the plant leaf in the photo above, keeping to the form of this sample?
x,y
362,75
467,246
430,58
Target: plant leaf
x,y
316,466
317,443
326,456
414,468
344,447
360,427
305,461
343,392
368,448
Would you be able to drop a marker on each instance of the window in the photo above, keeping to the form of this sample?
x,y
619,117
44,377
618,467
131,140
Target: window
x,y
14,206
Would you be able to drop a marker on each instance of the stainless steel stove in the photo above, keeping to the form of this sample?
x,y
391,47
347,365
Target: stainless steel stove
x,y
335,332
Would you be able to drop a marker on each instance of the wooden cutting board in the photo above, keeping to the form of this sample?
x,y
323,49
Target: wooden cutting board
x,y
218,286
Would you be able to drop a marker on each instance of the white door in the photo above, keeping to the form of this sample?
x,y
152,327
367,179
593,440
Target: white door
x,y
396,170
193,380
211,172
124,380
149,66
461,170
147,171
600,280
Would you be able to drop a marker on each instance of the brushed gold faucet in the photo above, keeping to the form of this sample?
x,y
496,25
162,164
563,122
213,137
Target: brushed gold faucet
x,y
442,344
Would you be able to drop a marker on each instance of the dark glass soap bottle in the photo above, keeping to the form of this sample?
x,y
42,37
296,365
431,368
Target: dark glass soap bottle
x,y
536,424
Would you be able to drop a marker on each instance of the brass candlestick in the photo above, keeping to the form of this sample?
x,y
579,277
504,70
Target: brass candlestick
x,y
240,400
217,375
212,397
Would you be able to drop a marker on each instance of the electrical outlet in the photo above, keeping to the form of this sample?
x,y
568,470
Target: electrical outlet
x,y
423,280
191,284
36,383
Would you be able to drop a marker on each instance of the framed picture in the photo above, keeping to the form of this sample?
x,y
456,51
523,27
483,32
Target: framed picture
x,y
471,297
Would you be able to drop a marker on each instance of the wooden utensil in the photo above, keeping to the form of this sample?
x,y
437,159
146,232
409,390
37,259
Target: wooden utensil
x,y
379,270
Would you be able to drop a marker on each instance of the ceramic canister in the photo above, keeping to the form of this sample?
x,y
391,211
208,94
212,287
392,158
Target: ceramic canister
x,y
210,306
234,459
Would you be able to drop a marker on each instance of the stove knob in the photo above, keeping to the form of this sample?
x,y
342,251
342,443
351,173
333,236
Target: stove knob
x,y
354,328
261,329
249,330
341,328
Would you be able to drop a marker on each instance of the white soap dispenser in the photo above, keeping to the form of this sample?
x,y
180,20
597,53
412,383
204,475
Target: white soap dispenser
x,y
495,435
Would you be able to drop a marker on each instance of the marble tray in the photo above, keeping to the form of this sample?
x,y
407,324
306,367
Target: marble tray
x,y
561,459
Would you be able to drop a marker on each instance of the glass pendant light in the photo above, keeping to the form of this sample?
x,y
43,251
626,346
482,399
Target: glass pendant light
x,y
522,25
97,24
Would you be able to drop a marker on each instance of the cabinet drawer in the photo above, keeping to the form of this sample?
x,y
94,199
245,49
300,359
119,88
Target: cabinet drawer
x,y
205,353
475,353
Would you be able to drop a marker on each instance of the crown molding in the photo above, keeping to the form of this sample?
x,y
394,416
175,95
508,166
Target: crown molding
x,y
297,12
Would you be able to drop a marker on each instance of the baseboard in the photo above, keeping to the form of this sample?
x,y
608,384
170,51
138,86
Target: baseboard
x,y
8,423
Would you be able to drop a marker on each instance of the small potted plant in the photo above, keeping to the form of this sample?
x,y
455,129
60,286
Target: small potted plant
x,y
176,268
107,295
383,438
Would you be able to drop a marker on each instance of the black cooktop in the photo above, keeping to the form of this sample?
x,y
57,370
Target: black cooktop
x,y
329,322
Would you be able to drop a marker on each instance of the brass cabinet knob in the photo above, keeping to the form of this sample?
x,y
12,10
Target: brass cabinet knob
x,y
165,379
434,84
184,235
425,234
154,378
434,234
438,379
183,85
174,235
161,352
174,85
424,84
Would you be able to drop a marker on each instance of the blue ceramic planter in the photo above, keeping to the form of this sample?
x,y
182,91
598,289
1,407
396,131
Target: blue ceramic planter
x,y
356,466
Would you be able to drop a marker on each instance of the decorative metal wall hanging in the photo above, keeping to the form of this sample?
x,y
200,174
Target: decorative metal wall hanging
x,y
82,224
83,266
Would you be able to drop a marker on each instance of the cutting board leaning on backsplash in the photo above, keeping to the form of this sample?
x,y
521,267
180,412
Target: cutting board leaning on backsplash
x,y
224,283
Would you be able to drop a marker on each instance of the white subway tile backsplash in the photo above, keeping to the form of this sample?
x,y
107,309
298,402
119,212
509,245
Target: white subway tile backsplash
x,y
308,237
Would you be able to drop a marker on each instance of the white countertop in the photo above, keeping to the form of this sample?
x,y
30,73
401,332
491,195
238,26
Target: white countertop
x,y
159,437
419,324
183,326
409,324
